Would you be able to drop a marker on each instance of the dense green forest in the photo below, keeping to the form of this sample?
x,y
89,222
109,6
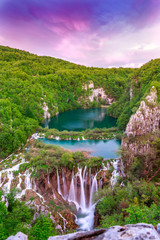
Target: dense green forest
x,y
27,81
140,84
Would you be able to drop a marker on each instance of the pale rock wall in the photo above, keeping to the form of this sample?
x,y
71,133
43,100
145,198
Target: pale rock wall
x,y
147,117
97,93
141,131
46,112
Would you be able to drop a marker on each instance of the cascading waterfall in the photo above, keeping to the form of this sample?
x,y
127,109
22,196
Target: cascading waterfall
x,y
64,186
81,195
58,184
94,188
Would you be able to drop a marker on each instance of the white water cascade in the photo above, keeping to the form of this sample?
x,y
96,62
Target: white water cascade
x,y
81,195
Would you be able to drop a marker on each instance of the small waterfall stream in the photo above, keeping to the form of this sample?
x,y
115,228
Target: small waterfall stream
x,y
80,192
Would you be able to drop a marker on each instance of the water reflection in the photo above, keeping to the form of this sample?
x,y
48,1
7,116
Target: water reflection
x,y
81,119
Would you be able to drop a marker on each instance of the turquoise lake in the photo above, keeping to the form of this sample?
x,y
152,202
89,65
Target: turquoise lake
x,y
104,148
81,119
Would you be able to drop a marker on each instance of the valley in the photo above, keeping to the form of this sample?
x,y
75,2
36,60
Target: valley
x,y
66,159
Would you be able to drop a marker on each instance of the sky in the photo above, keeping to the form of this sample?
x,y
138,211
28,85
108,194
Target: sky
x,y
98,33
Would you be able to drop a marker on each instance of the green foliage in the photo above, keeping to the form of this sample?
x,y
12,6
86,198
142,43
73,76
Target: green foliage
x,y
107,205
141,82
27,81
18,217
136,202
15,218
142,213
46,158
112,220
97,133
42,229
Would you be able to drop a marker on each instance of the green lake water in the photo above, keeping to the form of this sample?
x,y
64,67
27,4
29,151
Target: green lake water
x,y
81,119
104,148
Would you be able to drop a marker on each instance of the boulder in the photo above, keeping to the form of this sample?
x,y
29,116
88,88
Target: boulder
x,y
139,231
147,117
18,236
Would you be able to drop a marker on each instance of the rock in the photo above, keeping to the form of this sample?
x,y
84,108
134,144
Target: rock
x,y
158,228
141,131
139,231
18,236
147,117
97,93
79,235
21,236
46,112
10,238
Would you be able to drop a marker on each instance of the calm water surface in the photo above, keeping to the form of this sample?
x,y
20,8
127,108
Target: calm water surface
x,y
104,148
81,119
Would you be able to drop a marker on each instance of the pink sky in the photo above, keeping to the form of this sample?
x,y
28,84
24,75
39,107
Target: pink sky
x,y
100,33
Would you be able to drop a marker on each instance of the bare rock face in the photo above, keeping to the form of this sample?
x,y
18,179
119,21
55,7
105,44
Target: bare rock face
x,y
97,93
141,131
46,112
147,117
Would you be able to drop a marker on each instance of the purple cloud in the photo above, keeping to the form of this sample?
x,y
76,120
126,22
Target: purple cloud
x,y
78,30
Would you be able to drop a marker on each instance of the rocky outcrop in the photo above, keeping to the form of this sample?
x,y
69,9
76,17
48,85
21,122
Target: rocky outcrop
x,y
141,131
47,115
98,93
147,117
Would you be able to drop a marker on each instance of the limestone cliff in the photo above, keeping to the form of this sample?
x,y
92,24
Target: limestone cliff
x,y
141,131
147,117
97,93
46,111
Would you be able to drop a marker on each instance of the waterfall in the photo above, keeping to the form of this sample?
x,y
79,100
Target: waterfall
x,y
94,188
58,184
10,178
20,181
28,183
64,186
82,197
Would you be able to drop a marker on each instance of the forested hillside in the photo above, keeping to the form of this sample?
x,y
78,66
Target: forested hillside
x,y
27,81
139,86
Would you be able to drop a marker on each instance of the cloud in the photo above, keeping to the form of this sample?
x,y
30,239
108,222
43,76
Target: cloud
x,y
91,32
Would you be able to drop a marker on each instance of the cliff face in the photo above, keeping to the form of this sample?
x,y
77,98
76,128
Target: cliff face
x,y
147,117
97,93
141,131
